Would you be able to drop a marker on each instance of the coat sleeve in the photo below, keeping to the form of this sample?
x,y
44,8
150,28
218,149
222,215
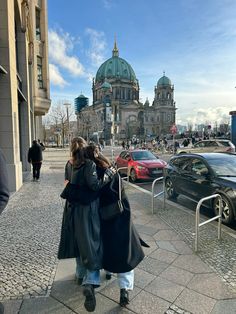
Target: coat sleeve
x,y
68,170
91,178
4,186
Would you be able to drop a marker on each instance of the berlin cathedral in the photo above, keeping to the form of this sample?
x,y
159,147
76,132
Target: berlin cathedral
x,y
116,112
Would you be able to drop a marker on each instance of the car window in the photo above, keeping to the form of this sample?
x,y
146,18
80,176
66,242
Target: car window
x,y
200,144
127,156
181,163
198,167
143,155
122,154
212,143
224,166
224,143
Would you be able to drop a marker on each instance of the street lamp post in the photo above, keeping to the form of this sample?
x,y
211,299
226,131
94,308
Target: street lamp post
x,y
68,121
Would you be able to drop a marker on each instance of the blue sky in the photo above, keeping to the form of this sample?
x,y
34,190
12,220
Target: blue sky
x,y
193,41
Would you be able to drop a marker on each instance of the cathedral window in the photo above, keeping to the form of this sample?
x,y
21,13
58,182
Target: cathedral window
x,y
37,26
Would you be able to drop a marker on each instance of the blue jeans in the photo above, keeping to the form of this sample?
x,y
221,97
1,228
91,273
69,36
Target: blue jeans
x,y
91,277
125,280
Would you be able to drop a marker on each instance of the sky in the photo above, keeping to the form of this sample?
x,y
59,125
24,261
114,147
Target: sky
x,y
193,41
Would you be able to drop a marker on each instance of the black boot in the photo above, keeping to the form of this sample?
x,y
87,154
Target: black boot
x,y
124,297
108,276
90,300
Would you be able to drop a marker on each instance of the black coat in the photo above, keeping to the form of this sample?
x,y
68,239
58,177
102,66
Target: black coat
x,y
122,249
35,153
4,187
81,232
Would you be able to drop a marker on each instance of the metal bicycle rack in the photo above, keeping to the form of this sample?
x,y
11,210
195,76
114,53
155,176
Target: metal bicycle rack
x,y
198,225
128,172
158,194
153,185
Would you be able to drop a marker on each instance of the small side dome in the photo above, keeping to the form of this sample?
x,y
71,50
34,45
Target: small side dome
x,y
164,80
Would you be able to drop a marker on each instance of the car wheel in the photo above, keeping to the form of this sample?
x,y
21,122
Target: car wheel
x,y
133,176
170,190
227,210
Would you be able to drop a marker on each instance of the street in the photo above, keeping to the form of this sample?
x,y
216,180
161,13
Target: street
x,y
187,203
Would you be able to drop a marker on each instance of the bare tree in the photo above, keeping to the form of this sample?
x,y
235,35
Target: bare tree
x,y
58,119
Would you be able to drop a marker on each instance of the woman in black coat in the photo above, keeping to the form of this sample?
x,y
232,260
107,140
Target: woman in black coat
x,y
122,250
84,220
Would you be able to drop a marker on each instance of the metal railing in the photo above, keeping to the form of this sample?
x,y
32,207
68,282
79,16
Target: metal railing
x,y
128,172
158,194
198,225
153,186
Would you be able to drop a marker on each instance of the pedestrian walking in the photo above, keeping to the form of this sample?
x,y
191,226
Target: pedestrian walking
x,y
122,250
4,194
86,240
35,157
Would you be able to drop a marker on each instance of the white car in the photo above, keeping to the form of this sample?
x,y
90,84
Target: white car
x,y
209,146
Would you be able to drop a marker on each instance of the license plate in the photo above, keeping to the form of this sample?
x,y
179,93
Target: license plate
x,y
156,171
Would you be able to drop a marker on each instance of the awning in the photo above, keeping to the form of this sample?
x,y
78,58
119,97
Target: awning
x,y
21,95
2,70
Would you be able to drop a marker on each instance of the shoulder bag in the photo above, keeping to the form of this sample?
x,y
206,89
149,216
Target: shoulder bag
x,y
111,211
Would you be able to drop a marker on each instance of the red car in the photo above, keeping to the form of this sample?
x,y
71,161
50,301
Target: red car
x,y
142,163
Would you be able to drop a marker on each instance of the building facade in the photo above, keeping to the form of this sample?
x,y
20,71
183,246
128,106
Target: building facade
x,y
117,112
24,81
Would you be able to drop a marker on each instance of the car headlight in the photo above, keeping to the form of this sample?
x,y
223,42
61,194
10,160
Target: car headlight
x,y
141,168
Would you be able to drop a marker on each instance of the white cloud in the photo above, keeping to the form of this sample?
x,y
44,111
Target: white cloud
x,y
59,47
97,46
55,76
209,115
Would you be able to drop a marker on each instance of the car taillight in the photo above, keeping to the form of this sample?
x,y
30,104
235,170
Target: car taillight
x,y
230,149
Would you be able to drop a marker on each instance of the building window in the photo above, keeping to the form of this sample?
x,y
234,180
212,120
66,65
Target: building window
x,y
40,72
37,22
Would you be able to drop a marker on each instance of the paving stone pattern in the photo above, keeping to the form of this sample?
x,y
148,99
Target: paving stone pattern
x,y
30,229
171,279
219,255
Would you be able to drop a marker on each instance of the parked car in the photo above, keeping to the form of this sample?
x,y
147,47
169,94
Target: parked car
x,y
200,175
209,146
142,164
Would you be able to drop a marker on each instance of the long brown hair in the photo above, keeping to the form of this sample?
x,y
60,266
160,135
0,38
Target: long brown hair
x,y
100,160
77,149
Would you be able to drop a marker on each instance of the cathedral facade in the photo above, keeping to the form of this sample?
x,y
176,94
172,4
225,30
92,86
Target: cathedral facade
x,y
117,113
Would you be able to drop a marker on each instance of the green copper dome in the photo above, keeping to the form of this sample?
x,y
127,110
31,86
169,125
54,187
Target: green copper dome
x,y
164,80
115,67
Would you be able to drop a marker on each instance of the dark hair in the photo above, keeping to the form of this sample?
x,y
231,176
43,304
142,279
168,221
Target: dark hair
x,y
100,160
77,149
34,142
